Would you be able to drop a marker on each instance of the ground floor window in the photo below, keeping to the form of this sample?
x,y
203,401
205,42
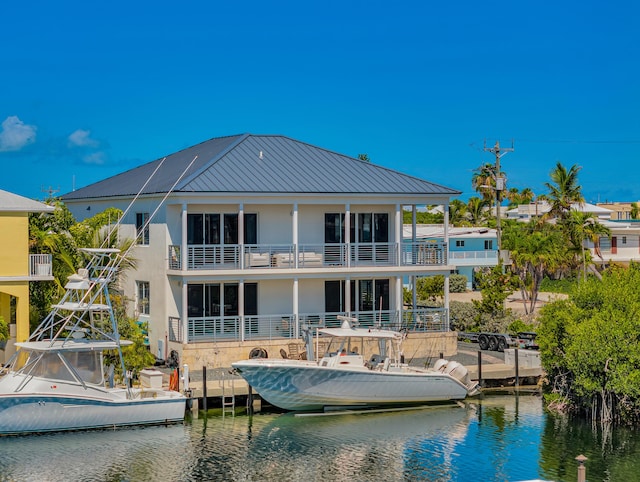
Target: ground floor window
x,y
366,295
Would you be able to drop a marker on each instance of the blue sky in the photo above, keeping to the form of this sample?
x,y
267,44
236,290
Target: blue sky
x,y
92,89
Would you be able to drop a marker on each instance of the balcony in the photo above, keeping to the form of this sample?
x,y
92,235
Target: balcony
x,y
284,256
474,258
40,266
286,326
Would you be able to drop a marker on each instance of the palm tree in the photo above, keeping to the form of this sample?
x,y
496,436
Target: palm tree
x,y
564,190
584,227
476,210
457,212
484,181
634,211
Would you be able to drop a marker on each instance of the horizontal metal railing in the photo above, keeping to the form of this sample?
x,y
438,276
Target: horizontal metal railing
x,y
279,256
287,325
486,254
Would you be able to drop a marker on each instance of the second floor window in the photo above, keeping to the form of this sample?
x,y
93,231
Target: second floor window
x,y
460,243
213,228
488,244
143,297
142,228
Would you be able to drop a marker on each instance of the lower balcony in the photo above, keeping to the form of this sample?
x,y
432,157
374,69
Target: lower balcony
x,y
287,326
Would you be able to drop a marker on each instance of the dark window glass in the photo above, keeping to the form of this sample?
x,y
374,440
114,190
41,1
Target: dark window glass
x,y
333,296
142,228
195,300
212,300
250,298
195,229
381,228
250,229
366,295
364,228
230,229
211,229
332,228
382,292
231,300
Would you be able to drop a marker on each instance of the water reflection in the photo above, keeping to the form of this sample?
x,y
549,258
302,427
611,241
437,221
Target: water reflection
x,y
503,438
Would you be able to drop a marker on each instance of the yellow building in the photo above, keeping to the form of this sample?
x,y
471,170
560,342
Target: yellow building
x,y
17,267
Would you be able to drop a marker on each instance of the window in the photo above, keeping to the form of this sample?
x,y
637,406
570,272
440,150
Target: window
x,y
207,229
204,300
143,297
488,244
624,240
459,243
142,228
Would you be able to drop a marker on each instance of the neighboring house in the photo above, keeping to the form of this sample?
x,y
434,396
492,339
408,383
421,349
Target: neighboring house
x,y
17,266
525,212
619,211
470,248
621,247
263,234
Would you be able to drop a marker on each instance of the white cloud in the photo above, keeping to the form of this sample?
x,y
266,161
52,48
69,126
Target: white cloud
x,y
15,134
81,138
95,158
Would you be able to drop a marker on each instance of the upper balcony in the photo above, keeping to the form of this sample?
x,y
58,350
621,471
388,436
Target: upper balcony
x,y
40,269
286,256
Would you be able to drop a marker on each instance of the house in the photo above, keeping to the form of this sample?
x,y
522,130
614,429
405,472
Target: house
x,y
17,267
621,247
525,212
470,248
263,234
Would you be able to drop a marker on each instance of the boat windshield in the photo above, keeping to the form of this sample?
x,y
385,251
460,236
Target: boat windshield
x,y
60,366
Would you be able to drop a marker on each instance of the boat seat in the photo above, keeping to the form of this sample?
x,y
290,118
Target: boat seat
x,y
375,361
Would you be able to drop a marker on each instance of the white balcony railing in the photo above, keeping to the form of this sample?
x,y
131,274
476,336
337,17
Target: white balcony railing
x,y
40,266
287,326
271,256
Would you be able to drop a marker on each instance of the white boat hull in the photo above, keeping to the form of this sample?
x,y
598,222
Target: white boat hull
x,y
306,386
54,406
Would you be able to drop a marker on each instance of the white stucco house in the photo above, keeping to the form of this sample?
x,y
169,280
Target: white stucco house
x,y
264,233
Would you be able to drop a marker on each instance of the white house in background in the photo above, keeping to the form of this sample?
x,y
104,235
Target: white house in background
x,y
525,212
469,248
622,247
265,233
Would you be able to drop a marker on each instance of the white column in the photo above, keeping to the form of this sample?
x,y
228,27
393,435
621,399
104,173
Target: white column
x,y
398,302
183,241
347,233
241,307
398,233
446,276
414,258
294,227
296,308
347,296
185,313
241,234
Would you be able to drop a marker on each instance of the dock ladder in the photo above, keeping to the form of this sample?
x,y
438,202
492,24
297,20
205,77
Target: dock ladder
x,y
228,399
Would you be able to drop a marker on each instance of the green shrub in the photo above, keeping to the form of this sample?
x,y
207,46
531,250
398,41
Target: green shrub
x,y
566,285
457,283
4,330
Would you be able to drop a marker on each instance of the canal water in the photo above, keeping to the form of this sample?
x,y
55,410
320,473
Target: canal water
x,y
498,438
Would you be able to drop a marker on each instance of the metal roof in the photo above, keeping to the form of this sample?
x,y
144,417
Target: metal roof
x,y
10,202
261,164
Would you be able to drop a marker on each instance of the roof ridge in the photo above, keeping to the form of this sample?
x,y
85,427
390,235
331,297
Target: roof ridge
x,y
241,138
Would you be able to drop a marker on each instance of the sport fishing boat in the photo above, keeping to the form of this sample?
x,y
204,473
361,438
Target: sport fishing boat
x,y
344,378
57,379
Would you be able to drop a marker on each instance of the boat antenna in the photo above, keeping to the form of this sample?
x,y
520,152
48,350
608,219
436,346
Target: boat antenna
x,y
126,211
155,211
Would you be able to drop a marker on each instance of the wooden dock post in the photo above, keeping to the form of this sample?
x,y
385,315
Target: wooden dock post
x,y
515,353
480,368
250,401
204,388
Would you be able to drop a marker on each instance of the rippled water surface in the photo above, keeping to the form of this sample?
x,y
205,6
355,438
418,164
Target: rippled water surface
x,y
500,438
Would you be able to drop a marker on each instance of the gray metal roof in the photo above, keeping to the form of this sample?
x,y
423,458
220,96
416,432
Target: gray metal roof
x,y
261,164
10,202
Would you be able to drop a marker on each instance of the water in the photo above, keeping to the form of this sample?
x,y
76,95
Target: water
x,y
500,438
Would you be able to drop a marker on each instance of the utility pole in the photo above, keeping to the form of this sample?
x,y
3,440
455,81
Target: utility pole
x,y
50,191
499,152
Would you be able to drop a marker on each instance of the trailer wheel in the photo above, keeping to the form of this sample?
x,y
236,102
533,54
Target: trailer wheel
x,y
483,341
502,344
493,343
